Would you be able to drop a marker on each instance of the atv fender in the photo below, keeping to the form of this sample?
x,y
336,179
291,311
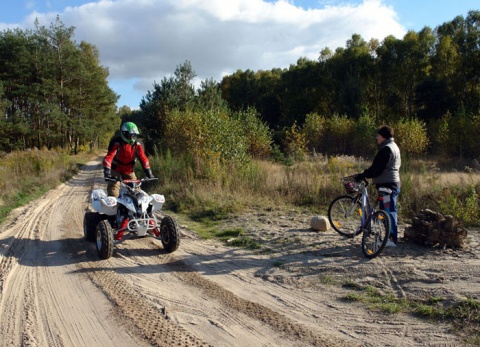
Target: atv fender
x,y
103,203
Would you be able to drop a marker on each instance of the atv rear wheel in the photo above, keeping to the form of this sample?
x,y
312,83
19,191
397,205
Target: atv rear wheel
x,y
104,239
90,221
169,234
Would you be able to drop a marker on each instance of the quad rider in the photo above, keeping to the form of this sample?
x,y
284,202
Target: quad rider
x,y
122,154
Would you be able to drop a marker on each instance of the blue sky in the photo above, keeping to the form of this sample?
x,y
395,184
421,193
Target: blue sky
x,y
143,41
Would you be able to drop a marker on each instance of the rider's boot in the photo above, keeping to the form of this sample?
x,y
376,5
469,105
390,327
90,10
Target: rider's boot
x,y
155,230
119,234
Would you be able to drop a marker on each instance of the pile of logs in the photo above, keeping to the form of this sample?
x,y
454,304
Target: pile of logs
x,y
432,228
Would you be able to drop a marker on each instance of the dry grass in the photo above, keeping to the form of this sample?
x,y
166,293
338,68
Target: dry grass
x,y
426,182
314,183
25,175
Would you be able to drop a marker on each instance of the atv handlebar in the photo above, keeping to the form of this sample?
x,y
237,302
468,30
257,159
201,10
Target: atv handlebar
x,y
126,181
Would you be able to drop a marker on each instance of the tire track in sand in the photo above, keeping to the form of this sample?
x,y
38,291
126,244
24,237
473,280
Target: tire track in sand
x,y
155,325
42,303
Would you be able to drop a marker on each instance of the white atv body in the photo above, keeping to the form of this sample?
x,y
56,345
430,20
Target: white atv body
x,y
108,205
132,214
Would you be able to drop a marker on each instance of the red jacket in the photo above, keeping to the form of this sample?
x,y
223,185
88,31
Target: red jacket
x,y
121,156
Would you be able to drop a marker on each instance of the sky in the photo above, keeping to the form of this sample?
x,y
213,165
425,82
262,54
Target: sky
x,y
141,42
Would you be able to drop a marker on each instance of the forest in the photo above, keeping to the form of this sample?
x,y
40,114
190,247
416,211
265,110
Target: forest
x,y
54,93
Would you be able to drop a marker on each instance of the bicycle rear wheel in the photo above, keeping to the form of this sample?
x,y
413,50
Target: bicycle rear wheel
x,y
376,236
344,215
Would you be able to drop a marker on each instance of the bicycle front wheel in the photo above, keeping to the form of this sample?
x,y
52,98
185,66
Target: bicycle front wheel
x,y
344,215
375,237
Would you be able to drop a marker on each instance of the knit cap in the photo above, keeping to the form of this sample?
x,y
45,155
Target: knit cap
x,y
386,131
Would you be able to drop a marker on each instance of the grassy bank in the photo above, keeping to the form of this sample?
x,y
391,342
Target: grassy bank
x,y
26,175
463,314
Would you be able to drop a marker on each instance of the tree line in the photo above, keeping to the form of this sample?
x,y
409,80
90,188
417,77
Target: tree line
x,y
430,77
427,85
53,91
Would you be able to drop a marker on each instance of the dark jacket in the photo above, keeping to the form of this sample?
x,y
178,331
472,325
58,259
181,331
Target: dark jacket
x,y
385,166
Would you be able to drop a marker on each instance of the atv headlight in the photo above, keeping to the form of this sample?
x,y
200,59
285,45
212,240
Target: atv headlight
x,y
110,201
158,198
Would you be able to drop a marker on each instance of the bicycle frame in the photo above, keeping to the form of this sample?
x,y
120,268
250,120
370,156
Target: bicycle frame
x,y
367,209
374,224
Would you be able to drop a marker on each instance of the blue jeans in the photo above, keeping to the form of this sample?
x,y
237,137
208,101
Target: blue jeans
x,y
389,204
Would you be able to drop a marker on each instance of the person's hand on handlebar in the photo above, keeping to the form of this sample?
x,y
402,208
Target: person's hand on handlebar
x,y
148,173
107,174
359,177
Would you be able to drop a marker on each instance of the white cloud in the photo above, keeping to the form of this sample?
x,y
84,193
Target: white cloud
x,y
144,40
30,4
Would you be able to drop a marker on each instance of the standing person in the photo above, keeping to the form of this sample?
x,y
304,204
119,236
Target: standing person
x,y
385,174
122,154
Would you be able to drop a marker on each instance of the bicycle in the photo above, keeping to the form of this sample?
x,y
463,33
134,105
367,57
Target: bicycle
x,y
345,211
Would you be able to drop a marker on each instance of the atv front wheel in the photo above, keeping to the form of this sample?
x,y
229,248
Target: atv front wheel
x,y
104,239
169,234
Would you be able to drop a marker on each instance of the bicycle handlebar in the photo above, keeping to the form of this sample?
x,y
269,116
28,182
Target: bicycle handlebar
x,y
355,179
364,181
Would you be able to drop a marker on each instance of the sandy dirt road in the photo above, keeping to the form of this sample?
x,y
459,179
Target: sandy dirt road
x,y
55,291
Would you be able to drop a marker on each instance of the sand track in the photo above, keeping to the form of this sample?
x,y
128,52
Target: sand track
x,y
56,292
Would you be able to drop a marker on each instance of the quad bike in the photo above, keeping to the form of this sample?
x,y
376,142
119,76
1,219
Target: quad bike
x,y
130,215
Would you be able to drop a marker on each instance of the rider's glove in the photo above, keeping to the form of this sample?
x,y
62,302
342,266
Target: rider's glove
x,y
359,177
107,173
148,173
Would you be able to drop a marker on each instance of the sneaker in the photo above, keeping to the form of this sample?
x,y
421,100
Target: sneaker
x,y
390,243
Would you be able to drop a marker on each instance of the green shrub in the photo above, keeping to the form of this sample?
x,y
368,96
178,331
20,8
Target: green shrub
x,y
257,134
295,143
314,131
461,202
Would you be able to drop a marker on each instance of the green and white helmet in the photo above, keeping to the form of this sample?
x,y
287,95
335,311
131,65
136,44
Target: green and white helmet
x,y
129,132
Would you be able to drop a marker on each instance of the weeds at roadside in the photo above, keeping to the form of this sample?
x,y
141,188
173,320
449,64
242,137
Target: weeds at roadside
x,y
352,285
209,229
226,235
464,315
328,280
234,237
245,242
27,175
204,228
278,263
